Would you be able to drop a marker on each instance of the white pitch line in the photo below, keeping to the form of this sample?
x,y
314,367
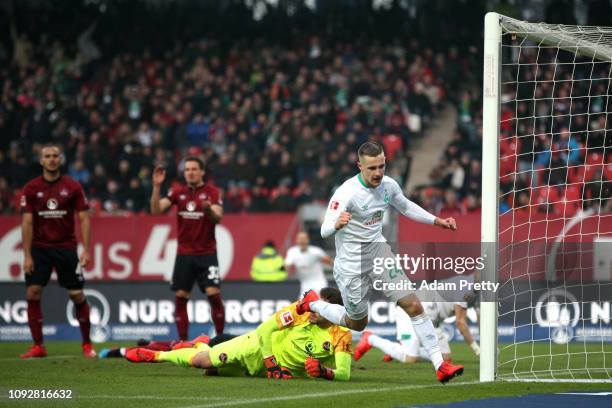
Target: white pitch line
x,y
149,397
327,394
37,358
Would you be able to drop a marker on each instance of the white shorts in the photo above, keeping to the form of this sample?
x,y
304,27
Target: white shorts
x,y
356,287
407,337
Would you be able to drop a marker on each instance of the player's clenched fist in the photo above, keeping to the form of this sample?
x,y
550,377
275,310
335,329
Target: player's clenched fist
x,y
314,369
276,371
446,223
159,175
343,219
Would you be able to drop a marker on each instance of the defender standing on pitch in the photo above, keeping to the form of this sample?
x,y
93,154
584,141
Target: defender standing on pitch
x,y
48,205
354,216
199,209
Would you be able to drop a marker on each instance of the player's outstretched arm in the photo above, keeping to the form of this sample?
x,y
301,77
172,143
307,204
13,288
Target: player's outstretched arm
x,y
464,329
417,213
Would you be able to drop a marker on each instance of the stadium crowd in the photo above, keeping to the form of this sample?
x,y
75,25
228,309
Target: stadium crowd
x,y
555,150
277,124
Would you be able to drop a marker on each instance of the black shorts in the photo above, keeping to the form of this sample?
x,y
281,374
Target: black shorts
x,y
191,268
64,261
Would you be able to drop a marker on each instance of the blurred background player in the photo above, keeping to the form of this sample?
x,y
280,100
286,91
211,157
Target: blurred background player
x,y
408,349
199,209
285,345
48,204
354,215
308,262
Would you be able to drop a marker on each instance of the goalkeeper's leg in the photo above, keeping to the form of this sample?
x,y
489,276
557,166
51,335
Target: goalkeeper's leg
x,y
187,357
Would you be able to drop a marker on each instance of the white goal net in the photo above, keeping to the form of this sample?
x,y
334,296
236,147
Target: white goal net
x,y
547,204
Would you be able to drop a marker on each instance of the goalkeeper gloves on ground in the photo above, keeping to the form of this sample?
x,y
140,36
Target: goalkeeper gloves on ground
x,y
276,371
315,369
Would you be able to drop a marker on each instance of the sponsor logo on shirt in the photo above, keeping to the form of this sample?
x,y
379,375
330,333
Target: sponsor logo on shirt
x,y
334,205
376,218
286,318
191,206
52,204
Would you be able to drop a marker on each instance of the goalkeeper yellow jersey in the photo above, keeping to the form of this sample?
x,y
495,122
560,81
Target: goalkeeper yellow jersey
x,y
292,340
297,339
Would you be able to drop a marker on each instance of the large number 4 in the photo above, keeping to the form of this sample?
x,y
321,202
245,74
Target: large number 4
x,y
213,272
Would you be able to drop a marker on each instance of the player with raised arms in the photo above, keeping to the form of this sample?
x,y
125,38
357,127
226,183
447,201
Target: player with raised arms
x,y
48,206
199,209
354,216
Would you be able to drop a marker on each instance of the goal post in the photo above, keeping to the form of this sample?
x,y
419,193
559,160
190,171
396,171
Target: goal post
x,y
490,185
546,223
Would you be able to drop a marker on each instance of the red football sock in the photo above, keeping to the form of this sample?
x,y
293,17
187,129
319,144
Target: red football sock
x,y
82,314
181,318
217,311
35,320
159,345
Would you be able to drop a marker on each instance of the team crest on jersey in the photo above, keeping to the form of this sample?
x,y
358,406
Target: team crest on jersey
x,y
286,318
191,206
40,194
387,199
52,204
182,197
309,347
202,196
64,193
327,346
223,357
334,205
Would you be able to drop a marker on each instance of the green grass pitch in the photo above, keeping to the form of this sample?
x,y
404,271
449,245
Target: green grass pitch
x,y
116,383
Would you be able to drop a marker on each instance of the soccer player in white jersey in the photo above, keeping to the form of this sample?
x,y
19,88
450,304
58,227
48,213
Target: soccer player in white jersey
x,y
408,348
308,262
354,216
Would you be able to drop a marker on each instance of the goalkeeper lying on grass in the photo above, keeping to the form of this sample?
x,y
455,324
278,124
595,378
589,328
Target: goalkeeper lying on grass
x,y
286,345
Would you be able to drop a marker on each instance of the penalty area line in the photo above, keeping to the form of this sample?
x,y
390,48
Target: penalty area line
x,y
327,394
